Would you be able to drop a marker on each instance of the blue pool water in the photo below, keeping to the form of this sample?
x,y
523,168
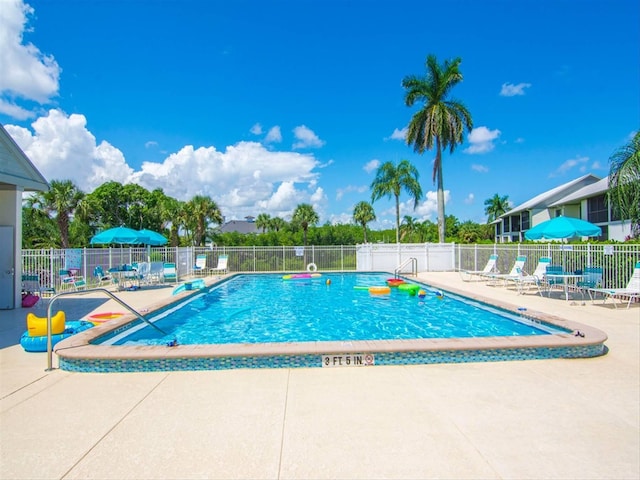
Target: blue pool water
x,y
266,308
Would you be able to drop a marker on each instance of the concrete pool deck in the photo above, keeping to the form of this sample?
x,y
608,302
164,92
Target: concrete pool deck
x,y
521,419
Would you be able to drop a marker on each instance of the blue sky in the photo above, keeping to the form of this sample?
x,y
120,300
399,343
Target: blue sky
x,y
263,105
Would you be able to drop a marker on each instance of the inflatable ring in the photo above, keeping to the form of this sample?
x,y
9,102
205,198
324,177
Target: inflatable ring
x,y
312,267
379,290
410,288
37,326
98,318
39,344
394,282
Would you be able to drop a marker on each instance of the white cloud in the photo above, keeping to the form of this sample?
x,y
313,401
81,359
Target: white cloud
x,y
371,166
26,73
426,210
481,140
256,129
273,135
245,179
341,219
579,162
512,90
350,188
306,138
62,148
399,134
150,144
470,199
479,168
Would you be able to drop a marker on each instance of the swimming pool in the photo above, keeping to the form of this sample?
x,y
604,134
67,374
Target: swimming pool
x,y
331,307
105,349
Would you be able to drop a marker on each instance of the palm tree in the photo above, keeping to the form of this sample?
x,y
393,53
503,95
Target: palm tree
x,y
496,206
441,119
390,180
276,224
624,182
408,226
363,213
263,221
62,199
202,211
304,215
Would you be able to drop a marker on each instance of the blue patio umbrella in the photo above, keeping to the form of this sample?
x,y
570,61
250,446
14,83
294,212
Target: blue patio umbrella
x,y
119,235
154,238
561,228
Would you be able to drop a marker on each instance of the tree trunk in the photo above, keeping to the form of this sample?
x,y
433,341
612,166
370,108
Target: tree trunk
x,y
440,194
397,219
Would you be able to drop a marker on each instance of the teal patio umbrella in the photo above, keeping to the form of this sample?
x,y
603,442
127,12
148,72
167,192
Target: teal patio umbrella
x,y
119,235
561,228
155,239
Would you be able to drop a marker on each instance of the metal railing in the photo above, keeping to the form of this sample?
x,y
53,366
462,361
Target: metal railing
x,y
84,292
414,267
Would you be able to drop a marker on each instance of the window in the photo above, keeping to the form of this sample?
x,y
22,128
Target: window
x,y
505,224
597,211
515,223
525,221
498,228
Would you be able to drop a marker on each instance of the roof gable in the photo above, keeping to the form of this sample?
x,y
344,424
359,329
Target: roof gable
x,y
549,197
15,167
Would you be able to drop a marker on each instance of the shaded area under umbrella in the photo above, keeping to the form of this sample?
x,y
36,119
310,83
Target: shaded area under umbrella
x,y
562,228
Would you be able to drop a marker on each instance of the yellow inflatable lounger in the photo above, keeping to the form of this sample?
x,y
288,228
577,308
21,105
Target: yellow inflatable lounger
x,y
37,326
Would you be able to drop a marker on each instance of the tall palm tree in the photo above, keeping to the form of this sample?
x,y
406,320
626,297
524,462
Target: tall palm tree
x,y
363,213
263,220
496,206
390,180
305,216
441,120
61,200
624,182
202,211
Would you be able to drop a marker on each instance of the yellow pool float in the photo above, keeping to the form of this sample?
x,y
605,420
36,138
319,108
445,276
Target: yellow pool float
x,y
37,326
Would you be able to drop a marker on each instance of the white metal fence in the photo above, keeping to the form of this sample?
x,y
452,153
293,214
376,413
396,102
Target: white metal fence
x,y
617,260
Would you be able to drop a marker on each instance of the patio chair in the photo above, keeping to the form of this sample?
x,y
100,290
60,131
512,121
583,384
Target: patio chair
x,y
536,278
222,265
101,278
592,279
76,282
32,283
490,267
553,282
169,272
200,268
632,290
493,278
155,272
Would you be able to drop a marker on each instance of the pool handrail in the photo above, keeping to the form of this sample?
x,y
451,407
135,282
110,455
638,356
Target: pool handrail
x,y
84,292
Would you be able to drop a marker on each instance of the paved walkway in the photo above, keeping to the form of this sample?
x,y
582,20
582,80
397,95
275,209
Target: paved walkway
x,y
530,419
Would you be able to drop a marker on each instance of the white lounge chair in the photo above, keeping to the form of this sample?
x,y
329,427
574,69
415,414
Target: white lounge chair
x,y
200,268
536,278
221,269
169,272
493,278
632,290
490,267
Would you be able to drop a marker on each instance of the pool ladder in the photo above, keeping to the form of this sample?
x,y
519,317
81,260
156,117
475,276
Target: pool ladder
x,y
414,267
84,292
